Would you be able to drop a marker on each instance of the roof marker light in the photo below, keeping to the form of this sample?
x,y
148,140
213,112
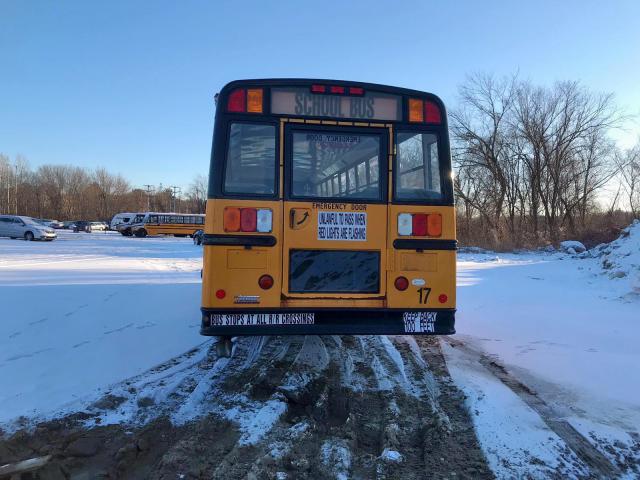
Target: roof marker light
x,y
237,101
431,112
416,113
254,100
318,89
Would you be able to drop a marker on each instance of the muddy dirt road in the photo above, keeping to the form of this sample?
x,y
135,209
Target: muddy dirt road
x,y
331,407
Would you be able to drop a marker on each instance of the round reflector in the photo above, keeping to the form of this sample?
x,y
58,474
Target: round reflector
x,y
443,298
265,282
221,294
401,283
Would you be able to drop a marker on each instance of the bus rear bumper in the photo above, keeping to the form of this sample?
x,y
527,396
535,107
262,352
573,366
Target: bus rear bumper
x,y
327,321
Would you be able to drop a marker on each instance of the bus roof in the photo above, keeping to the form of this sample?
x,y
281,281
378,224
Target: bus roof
x,y
275,82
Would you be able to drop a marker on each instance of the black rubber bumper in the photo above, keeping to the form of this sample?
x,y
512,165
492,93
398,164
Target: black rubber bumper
x,y
327,321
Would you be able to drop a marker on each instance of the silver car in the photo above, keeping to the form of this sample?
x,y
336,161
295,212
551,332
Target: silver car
x,y
15,226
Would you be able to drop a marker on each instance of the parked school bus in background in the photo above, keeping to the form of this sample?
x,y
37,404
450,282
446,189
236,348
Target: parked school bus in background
x,y
330,210
157,223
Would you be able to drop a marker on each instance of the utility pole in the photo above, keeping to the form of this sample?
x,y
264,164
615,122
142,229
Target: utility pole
x,y
16,191
149,189
174,191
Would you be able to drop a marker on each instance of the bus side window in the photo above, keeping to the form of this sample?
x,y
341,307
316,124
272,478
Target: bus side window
x,y
418,167
251,159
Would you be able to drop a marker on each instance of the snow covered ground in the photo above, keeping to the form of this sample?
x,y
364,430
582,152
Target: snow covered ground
x,y
568,327
88,310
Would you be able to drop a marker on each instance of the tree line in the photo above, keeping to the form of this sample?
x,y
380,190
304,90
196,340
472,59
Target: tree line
x,y
531,162
531,166
66,192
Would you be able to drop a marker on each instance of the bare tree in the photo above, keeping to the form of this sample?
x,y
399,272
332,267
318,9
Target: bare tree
x,y
629,167
481,133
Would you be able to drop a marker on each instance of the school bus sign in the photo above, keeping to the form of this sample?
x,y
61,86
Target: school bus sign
x,y
301,102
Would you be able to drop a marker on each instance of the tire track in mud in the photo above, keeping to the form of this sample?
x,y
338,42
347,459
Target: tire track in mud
x,y
314,407
599,465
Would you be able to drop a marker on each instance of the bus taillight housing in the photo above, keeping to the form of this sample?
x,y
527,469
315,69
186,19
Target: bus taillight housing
x,y
245,100
236,219
424,111
420,225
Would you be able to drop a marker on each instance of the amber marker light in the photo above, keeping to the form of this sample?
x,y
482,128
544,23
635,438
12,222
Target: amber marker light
x,y
434,225
416,112
231,219
254,100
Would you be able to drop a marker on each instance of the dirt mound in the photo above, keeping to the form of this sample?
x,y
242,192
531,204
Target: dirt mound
x,y
280,407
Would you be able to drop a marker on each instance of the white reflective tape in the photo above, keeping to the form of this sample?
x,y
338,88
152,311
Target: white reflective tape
x,y
405,224
264,220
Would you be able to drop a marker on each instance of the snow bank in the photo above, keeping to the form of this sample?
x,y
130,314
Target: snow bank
x,y
620,260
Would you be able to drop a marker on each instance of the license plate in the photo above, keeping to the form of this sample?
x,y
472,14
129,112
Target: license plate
x,y
419,322
260,319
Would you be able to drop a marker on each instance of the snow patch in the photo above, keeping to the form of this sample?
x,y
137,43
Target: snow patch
x,y
336,456
392,456
253,424
572,247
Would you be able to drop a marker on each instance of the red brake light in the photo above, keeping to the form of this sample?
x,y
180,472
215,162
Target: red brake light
x,y
431,112
337,89
237,101
248,219
401,283
265,282
317,89
356,91
419,224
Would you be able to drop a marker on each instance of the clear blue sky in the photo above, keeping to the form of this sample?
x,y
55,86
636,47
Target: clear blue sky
x,y
129,85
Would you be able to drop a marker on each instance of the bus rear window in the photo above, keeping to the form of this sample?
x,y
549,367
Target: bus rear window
x,y
335,165
417,167
251,159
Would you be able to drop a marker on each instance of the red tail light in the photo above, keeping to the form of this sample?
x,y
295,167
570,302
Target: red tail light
x,y
248,219
221,294
443,298
419,224
265,282
237,101
401,283
431,112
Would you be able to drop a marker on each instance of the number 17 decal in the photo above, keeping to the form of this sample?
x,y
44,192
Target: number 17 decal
x,y
423,293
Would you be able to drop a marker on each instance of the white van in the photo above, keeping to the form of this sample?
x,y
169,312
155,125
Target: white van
x,y
120,218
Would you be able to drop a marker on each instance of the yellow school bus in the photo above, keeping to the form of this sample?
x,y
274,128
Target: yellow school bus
x,y
158,223
330,211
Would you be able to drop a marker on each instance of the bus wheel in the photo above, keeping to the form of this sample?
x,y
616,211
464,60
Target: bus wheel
x,y
141,233
224,347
